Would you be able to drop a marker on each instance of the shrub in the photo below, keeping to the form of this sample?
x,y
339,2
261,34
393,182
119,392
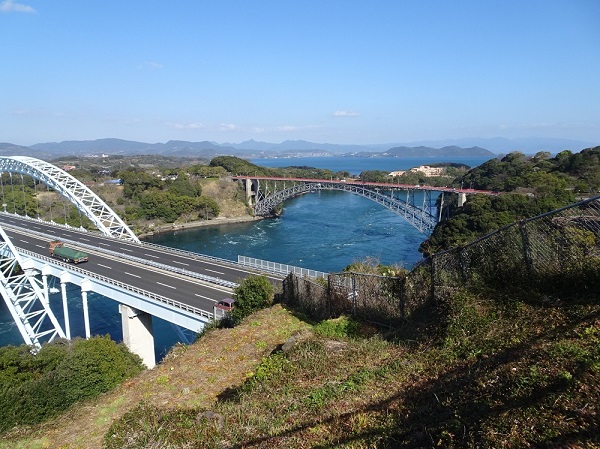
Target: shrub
x,y
61,374
253,293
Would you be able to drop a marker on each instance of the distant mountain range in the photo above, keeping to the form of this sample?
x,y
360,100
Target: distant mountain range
x,y
289,148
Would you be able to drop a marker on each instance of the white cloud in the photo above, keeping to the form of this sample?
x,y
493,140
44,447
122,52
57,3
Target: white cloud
x,y
187,125
20,112
288,128
345,114
150,65
10,6
228,127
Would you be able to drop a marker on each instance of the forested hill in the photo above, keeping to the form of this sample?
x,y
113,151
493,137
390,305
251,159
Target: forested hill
x,y
531,185
579,172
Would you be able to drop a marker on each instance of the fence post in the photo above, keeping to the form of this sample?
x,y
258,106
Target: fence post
x,y
329,295
525,245
403,297
353,294
432,271
461,264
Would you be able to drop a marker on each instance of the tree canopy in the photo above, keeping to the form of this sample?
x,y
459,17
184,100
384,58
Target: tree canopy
x,y
533,185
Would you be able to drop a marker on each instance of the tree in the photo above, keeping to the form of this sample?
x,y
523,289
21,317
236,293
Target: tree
x,y
135,183
206,207
253,293
183,187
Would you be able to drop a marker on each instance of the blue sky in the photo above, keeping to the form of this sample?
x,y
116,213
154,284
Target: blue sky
x,y
273,70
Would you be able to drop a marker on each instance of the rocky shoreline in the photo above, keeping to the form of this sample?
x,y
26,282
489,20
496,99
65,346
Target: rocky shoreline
x,y
199,224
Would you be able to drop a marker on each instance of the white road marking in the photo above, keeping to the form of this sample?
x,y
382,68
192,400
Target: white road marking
x,y
151,255
205,297
81,238
24,241
40,246
127,249
131,274
213,271
105,266
103,244
170,286
182,263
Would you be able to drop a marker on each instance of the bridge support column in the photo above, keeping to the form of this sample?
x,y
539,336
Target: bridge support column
x,y
46,271
462,199
64,278
137,333
85,287
45,288
249,191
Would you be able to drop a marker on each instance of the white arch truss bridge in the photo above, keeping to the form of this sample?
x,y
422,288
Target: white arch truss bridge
x,y
88,203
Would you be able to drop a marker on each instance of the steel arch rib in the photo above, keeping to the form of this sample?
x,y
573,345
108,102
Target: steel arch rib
x,y
421,220
105,219
24,298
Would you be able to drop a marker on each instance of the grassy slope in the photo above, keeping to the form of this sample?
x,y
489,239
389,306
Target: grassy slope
x,y
190,376
492,374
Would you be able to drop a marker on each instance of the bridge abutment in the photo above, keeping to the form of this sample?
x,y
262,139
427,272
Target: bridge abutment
x,y
137,333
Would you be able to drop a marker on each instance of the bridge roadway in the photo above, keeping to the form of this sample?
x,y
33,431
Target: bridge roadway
x,y
170,284
380,185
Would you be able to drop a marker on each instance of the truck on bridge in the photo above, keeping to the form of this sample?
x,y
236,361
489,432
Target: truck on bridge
x,y
60,251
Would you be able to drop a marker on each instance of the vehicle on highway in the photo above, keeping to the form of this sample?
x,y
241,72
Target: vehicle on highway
x,y
226,304
58,250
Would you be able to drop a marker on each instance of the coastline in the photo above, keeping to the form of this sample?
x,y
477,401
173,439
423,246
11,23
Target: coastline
x,y
199,224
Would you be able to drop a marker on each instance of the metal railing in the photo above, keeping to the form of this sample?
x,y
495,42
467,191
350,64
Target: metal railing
x,y
280,268
146,262
119,284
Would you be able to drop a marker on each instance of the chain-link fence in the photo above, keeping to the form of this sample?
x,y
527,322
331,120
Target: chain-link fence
x,y
554,253
557,253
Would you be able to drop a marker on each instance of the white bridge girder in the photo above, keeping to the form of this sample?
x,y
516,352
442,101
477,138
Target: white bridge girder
x,y
174,312
105,219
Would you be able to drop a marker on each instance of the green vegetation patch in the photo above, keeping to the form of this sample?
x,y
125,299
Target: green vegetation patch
x,y
34,388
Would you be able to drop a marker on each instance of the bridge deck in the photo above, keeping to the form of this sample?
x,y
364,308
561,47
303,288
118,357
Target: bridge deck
x,y
190,290
382,185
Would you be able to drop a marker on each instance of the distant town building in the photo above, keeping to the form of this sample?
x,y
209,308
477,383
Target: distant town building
x,y
429,171
68,167
397,173
426,169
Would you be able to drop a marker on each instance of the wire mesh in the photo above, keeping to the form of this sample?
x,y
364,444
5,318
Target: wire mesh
x,y
557,252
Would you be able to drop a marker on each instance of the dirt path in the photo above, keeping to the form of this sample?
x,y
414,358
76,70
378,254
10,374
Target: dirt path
x,y
190,376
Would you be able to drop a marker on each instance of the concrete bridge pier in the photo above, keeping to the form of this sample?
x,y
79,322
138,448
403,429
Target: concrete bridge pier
x,y
137,333
251,189
462,199
85,287
45,273
64,279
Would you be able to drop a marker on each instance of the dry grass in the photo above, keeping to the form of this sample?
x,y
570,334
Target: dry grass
x,y
190,376
229,196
